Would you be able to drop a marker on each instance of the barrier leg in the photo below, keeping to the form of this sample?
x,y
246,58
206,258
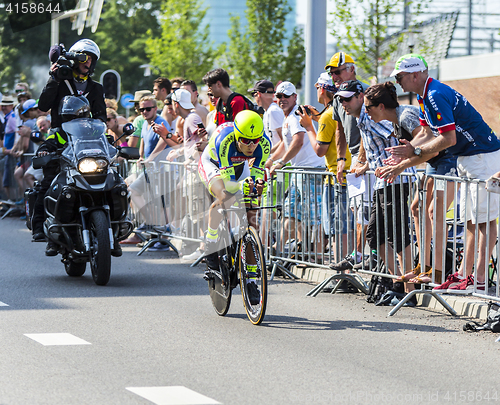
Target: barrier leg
x,y
437,296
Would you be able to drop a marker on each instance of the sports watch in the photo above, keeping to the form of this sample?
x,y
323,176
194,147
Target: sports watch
x,y
418,151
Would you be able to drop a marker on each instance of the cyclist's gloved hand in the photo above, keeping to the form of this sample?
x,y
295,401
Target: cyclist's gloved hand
x,y
261,186
246,186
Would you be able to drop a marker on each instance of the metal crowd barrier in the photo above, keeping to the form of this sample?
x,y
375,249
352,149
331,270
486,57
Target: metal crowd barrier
x,y
175,206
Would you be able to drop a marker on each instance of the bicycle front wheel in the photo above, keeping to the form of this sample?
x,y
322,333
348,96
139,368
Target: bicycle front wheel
x,y
252,268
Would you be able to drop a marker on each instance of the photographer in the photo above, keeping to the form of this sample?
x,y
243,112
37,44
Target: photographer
x,y
70,75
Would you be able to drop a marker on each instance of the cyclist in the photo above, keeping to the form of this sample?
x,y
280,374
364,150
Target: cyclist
x,y
226,170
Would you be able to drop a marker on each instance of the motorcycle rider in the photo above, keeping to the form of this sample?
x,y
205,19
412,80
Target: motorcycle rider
x,y
63,108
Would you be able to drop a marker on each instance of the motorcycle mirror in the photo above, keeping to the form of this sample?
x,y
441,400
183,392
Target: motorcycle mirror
x,y
110,139
129,153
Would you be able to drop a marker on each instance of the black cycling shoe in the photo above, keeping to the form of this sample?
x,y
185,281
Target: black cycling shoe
x,y
38,237
212,261
253,293
50,250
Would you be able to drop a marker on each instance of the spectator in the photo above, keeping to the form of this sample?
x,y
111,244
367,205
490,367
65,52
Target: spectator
x,y
196,193
376,138
31,174
381,103
115,129
176,83
263,94
24,144
334,200
170,110
202,111
161,88
342,68
211,125
135,138
460,129
297,149
230,103
10,127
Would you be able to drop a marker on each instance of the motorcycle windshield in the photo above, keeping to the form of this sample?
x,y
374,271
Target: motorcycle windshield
x,y
88,139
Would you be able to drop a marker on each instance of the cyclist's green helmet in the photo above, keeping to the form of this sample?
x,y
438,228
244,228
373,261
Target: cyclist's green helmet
x,y
248,124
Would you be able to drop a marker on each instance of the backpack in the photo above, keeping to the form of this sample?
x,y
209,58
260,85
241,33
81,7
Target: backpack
x,y
378,286
227,110
492,322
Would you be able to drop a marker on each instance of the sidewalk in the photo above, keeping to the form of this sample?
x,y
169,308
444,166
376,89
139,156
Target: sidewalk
x,y
467,306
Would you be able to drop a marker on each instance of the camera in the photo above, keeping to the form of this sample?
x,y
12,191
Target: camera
x,y
303,110
66,63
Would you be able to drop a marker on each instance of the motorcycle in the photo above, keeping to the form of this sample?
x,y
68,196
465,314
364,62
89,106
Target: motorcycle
x,y
87,203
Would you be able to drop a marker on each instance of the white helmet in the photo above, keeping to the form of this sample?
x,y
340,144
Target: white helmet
x,y
86,46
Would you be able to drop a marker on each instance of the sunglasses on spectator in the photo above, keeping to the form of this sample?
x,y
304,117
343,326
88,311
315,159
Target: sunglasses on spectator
x,y
109,119
336,72
19,90
262,92
246,141
148,109
281,95
367,107
400,76
347,100
210,94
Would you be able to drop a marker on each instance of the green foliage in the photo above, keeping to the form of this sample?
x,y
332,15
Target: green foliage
x,y
257,51
183,47
360,27
122,36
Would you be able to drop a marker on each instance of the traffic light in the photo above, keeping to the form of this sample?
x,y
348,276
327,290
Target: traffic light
x,y
111,82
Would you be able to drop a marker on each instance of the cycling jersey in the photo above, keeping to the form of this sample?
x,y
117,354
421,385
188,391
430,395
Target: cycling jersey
x,y
229,163
443,109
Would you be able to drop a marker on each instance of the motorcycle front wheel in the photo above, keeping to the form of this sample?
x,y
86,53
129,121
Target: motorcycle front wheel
x,y
100,249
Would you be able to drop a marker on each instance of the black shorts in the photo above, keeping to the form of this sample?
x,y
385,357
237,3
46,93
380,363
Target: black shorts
x,y
382,217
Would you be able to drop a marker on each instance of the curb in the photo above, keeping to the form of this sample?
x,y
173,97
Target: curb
x,y
466,306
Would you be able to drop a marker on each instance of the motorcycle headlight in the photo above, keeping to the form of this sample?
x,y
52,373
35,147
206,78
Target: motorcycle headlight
x,y
91,165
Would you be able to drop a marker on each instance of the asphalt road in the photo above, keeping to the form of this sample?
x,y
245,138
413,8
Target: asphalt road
x,y
151,336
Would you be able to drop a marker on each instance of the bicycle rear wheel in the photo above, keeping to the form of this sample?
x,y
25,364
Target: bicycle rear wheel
x,y
219,285
251,251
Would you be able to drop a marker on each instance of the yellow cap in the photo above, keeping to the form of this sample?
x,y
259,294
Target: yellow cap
x,y
339,59
248,124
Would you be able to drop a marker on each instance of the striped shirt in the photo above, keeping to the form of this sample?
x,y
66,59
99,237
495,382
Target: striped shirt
x,y
376,137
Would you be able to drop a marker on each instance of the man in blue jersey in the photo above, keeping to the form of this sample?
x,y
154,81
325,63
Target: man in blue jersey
x,y
461,130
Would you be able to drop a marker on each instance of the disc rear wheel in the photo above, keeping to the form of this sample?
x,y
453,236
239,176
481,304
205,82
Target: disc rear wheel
x,y
218,284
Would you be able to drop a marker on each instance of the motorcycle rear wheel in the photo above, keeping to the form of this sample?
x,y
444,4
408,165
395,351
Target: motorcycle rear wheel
x,y
100,249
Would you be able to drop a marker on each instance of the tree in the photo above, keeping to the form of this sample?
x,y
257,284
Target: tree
x,y
361,26
122,36
257,51
183,47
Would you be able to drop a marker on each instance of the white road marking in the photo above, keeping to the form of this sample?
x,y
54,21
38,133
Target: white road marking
x,y
56,339
3,304
177,395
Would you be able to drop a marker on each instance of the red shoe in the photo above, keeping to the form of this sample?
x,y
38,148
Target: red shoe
x,y
451,280
463,287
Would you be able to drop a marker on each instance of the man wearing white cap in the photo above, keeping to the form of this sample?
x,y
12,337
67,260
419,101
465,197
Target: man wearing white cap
x,y
461,130
323,144
296,148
